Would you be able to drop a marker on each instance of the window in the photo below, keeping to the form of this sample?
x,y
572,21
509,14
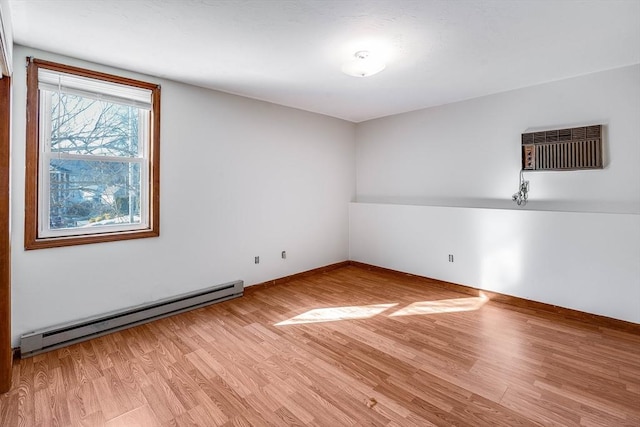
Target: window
x,y
92,161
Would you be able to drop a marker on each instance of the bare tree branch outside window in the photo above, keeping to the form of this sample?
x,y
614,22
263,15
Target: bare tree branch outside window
x,y
93,178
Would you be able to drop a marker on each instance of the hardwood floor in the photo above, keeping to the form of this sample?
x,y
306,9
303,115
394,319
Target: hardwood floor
x,y
346,347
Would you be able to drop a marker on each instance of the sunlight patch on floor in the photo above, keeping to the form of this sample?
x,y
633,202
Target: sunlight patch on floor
x,y
332,314
442,306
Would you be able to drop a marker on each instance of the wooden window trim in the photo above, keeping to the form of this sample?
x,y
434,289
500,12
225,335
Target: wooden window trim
x,y
31,239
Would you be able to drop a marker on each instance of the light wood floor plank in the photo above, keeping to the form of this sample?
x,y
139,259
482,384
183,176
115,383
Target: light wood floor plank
x,y
348,347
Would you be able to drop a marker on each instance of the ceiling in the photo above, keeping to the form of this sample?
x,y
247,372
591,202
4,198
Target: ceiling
x,y
291,52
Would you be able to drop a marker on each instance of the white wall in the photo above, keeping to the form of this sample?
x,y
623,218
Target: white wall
x,y
468,153
242,178
538,255
239,178
467,156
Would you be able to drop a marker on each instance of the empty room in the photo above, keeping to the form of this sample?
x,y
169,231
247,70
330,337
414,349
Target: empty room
x,y
319,213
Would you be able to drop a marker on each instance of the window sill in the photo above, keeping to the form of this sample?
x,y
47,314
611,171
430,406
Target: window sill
x,y
55,242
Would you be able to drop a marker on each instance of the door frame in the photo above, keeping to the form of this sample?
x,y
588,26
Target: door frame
x,y
6,354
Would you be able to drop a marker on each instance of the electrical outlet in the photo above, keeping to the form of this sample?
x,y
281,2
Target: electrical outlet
x,y
256,260
284,254
450,257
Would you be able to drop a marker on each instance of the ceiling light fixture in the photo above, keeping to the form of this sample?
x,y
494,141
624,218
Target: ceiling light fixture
x,y
363,65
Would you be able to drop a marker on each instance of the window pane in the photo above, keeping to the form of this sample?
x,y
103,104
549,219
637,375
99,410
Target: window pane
x,y
88,126
93,193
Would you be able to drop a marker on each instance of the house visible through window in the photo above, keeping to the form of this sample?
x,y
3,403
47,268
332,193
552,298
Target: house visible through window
x,y
92,157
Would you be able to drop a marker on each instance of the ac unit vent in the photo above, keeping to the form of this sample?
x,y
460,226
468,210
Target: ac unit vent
x,y
563,149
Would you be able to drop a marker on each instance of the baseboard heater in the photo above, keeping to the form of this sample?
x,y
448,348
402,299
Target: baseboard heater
x,y
70,333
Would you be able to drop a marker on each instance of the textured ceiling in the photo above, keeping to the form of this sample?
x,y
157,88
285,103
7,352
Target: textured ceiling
x,y
291,52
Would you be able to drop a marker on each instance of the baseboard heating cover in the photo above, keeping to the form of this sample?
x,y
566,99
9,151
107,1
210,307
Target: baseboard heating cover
x,y
70,333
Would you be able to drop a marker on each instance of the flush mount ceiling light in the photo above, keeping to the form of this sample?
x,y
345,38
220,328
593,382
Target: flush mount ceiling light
x,y
364,65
